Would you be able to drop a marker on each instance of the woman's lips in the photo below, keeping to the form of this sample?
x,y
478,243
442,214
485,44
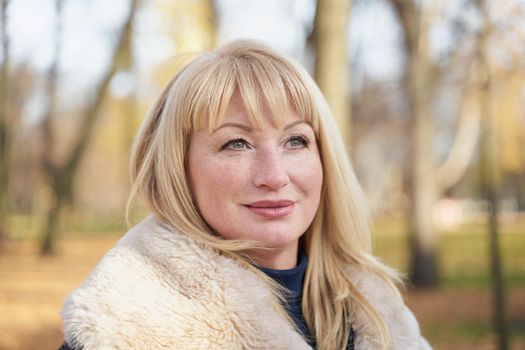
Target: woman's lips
x,y
271,209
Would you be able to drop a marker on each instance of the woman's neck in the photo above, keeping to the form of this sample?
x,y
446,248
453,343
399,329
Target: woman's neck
x,y
275,259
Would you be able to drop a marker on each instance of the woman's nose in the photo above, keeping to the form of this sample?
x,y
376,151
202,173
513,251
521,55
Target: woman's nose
x,y
270,170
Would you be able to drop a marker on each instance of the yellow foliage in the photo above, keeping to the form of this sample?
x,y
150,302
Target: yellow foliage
x,y
508,107
191,24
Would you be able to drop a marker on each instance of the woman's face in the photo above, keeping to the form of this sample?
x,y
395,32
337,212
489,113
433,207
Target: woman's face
x,y
261,185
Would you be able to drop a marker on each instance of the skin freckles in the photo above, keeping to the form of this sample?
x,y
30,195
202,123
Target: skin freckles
x,y
262,185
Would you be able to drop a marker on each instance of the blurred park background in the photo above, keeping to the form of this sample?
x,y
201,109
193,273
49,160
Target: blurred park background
x,y
429,95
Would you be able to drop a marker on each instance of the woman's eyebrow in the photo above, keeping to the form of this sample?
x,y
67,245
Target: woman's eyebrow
x,y
233,124
291,125
248,128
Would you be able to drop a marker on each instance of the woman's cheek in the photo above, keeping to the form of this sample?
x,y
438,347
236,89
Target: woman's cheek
x,y
227,172
306,163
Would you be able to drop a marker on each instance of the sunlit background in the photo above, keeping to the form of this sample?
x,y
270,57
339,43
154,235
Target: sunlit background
x,y
429,96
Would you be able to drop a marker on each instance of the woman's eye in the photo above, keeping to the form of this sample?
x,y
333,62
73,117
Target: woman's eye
x,y
237,144
298,142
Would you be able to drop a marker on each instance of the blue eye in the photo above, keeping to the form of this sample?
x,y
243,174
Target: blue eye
x,y
237,144
298,141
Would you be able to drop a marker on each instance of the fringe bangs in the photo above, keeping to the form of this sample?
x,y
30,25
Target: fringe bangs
x,y
206,86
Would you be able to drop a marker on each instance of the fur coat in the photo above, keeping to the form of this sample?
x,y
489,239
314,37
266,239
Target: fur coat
x,y
158,289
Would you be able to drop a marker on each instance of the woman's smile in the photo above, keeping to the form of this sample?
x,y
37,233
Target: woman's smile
x,y
272,208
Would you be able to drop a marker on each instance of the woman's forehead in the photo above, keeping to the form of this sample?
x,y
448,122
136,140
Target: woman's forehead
x,y
257,115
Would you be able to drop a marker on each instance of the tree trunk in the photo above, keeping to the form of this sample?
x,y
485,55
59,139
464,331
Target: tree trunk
x,y
423,267
51,171
62,175
423,263
55,208
491,178
331,65
428,181
5,126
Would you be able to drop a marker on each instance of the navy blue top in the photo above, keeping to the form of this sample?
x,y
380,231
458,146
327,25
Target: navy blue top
x,y
292,280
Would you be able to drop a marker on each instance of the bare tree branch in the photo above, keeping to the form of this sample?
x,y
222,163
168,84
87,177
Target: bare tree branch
x,y
62,175
48,141
463,148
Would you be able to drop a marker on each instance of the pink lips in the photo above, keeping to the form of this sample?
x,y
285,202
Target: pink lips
x,y
271,209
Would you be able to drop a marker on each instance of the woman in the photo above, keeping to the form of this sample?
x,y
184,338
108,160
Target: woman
x,y
258,239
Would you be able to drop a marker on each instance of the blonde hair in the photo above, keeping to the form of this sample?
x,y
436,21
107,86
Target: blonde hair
x,y
339,236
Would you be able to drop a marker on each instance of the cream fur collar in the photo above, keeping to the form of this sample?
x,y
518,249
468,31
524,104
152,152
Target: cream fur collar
x,y
158,289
